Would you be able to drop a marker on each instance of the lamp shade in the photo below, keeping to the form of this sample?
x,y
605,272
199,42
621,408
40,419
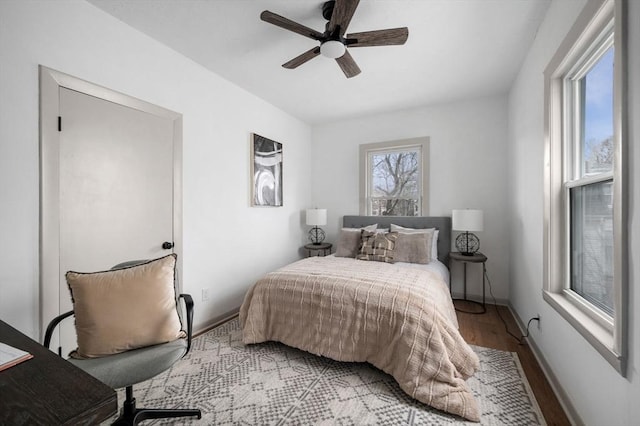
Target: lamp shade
x,y
316,217
467,220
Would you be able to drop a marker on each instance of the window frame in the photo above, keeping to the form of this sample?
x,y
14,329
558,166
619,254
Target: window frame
x,y
365,152
582,47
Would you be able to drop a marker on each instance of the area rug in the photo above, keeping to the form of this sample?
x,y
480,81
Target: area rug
x,y
272,384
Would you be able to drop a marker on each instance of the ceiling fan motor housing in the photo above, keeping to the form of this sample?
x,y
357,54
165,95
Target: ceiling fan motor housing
x,y
327,9
327,13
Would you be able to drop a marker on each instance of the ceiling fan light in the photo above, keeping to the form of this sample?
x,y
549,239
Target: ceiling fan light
x,y
332,49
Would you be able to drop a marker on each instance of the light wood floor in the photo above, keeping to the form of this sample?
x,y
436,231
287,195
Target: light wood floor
x,y
488,330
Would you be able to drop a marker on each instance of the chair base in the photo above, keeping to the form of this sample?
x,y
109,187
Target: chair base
x,y
132,415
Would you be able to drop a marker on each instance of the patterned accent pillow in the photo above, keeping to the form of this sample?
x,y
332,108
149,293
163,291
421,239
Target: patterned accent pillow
x,y
377,247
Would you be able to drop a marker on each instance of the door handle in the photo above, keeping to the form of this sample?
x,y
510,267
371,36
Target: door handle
x,y
167,245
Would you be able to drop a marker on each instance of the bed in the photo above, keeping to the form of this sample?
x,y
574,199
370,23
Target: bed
x,y
398,317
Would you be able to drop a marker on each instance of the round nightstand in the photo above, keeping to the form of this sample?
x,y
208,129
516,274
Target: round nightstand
x,y
325,248
474,258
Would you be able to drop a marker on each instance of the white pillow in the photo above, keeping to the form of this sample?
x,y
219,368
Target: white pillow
x,y
434,245
434,239
370,228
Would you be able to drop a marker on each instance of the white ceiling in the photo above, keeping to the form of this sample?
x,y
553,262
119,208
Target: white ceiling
x,y
457,49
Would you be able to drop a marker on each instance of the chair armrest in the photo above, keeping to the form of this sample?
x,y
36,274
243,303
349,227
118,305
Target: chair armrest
x,y
188,302
52,325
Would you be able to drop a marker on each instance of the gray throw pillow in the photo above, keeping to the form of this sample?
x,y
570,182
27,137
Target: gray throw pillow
x,y
434,238
349,241
413,248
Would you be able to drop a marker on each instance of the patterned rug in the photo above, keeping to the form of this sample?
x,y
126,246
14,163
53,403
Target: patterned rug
x,y
272,384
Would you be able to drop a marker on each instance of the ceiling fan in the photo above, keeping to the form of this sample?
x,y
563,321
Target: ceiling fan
x,y
334,42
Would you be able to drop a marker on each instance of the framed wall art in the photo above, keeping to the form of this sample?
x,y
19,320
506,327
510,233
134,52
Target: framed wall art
x,y
266,172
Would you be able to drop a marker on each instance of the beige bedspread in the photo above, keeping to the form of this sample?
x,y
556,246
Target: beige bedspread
x,y
401,320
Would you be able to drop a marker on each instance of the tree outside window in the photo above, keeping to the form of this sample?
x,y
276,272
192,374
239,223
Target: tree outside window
x,y
393,178
395,183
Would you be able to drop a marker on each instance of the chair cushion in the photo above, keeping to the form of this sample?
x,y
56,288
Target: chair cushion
x,y
124,309
131,367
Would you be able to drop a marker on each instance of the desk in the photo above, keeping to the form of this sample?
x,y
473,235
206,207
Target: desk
x,y
48,390
474,258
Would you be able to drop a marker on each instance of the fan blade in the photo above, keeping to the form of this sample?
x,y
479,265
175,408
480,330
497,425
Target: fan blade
x,y
301,59
378,38
348,65
343,11
288,24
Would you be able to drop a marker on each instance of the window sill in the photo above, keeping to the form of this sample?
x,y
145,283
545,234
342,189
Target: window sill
x,y
598,336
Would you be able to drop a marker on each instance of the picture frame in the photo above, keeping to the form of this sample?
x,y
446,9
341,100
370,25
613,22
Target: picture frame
x,y
266,172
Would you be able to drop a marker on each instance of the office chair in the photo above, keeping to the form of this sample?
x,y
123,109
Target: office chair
x,y
134,366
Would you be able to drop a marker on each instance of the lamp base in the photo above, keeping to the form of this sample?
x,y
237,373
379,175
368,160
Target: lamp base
x,y
467,244
316,235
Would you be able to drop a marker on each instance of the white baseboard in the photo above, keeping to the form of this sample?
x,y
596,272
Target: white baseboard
x,y
221,319
478,298
562,396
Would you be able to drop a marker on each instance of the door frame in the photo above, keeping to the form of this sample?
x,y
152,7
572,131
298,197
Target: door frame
x,y
50,83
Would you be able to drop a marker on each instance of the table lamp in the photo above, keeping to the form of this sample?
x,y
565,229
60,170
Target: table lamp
x,y
467,221
315,218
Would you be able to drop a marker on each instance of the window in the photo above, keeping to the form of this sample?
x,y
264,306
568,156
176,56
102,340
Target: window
x,y
584,255
591,244
589,179
393,178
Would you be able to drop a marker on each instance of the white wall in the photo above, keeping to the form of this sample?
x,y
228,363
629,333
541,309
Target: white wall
x,y
227,244
467,170
599,395
222,234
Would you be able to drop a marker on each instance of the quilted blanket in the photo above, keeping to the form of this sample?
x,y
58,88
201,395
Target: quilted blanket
x,y
399,319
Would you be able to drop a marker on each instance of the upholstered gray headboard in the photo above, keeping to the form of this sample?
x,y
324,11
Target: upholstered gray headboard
x,y
442,223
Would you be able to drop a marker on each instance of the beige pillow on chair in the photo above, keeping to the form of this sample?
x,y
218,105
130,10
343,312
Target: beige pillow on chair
x,y
125,309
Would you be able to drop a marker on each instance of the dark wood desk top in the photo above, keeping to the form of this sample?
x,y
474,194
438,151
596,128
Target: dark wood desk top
x,y
49,390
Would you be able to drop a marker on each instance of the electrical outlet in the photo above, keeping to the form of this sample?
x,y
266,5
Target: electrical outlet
x,y
539,321
205,294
